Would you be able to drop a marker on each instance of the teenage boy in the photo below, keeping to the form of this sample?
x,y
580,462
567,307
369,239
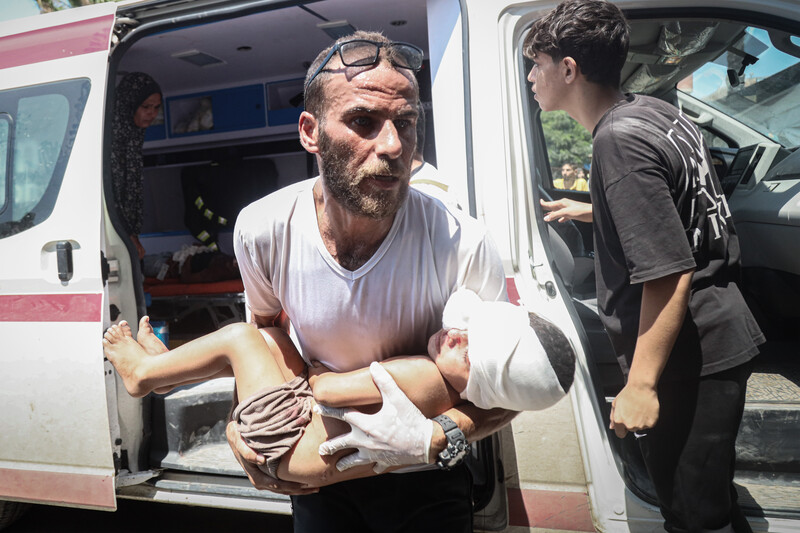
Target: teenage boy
x,y
667,261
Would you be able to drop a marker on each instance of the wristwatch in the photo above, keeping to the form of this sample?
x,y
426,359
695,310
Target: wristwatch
x,y
457,445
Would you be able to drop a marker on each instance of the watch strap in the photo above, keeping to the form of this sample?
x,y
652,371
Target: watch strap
x,y
447,423
457,446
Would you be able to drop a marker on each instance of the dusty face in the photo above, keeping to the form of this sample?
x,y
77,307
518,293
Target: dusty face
x,y
367,139
546,82
449,350
148,111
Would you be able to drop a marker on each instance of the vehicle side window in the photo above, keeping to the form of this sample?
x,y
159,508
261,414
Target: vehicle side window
x,y
36,137
569,149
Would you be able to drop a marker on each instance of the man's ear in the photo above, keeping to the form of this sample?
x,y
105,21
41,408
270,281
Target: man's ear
x,y
308,126
570,69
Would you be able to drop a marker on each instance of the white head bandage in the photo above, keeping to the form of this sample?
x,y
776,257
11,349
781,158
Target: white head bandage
x,y
508,365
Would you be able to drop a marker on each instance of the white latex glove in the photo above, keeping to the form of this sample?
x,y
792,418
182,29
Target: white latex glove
x,y
398,434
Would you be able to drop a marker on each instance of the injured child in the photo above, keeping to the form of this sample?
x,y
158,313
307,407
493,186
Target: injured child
x,y
493,354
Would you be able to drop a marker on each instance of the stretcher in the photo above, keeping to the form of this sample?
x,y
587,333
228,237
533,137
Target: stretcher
x,y
222,300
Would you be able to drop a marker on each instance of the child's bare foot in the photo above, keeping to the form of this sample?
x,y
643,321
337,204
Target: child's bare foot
x,y
147,338
127,356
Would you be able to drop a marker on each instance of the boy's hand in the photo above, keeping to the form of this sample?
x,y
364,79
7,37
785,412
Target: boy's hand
x,y
398,434
634,409
249,459
565,209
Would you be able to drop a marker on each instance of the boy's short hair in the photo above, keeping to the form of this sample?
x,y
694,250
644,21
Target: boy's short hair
x,y
592,32
558,349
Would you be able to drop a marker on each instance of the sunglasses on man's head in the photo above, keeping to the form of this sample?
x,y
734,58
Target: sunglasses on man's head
x,y
362,53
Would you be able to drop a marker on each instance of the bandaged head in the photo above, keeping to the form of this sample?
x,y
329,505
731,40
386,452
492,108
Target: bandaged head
x,y
509,367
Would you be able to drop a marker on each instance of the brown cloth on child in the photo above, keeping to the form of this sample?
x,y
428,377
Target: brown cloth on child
x,y
272,420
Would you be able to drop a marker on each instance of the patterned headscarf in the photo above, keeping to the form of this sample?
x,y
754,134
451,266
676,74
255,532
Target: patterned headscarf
x,y
126,148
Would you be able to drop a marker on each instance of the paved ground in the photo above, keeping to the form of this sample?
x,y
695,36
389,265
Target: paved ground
x,y
777,374
135,517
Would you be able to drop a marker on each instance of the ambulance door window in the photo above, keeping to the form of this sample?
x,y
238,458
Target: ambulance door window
x,y
40,128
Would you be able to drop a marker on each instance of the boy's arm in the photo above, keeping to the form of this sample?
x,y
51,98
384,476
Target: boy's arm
x,y
565,209
664,303
416,375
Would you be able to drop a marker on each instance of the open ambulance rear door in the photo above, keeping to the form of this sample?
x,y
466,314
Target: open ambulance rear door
x,y
55,439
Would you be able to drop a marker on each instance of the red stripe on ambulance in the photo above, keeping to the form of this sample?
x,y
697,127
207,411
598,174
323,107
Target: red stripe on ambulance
x,y
67,40
549,509
51,307
57,487
511,290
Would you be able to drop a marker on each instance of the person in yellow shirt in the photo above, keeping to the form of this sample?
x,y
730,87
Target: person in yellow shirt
x,y
569,179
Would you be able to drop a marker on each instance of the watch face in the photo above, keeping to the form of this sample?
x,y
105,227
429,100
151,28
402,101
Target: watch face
x,y
453,454
460,453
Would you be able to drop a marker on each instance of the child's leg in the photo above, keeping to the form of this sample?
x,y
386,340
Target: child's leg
x,y
238,346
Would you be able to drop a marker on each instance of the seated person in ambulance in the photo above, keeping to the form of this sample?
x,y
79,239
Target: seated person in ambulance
x,y
493,354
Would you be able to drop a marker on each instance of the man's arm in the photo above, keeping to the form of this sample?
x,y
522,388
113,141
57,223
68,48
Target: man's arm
x,y
280,320
473,422
664,303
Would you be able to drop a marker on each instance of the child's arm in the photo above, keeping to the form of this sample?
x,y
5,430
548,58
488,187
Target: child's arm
x,y
417,376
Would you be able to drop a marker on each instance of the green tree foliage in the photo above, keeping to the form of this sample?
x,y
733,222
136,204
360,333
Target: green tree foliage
x,y
567,141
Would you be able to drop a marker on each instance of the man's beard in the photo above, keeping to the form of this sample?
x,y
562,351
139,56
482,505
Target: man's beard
x,y
343,181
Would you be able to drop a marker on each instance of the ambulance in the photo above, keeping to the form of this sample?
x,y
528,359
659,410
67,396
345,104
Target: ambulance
x,y
231,76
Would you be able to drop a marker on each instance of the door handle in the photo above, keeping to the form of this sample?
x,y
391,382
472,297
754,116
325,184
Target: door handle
x,y
64,260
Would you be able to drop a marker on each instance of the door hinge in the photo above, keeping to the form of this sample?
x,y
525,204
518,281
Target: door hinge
x,y
109,268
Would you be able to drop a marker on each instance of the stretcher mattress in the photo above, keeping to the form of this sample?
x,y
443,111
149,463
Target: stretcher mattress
x,y
159,289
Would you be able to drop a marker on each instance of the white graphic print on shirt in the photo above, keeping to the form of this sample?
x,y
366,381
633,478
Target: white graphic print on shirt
x,y
687,140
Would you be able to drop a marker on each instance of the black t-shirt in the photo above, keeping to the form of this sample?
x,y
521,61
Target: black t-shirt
x,y
659,209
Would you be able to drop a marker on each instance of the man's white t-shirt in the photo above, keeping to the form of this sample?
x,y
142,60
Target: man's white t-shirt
x,y
391,305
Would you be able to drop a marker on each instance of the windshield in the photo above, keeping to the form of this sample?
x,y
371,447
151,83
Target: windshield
x,y
755,83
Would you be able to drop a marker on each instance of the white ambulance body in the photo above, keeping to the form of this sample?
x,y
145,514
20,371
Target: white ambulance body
x,y
71,435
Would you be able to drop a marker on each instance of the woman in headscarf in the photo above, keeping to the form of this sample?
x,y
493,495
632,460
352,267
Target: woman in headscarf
x,y
138,101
